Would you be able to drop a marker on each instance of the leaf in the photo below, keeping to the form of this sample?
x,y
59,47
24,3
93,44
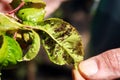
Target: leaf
x,y
62,42
31,16
29,3
33,48
7,23
10,51
29,11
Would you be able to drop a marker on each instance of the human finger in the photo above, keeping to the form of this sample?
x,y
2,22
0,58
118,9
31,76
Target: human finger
x,y
77,75
105,66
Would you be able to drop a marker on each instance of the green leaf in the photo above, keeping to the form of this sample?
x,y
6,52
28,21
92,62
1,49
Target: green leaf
x,y
7,23
31,16
10,51
33,48
62,42
31,13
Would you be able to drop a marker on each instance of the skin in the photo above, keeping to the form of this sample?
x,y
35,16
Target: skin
x,y
107,64
4,6
54,4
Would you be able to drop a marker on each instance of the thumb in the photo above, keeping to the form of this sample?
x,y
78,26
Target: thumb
x,y
105,66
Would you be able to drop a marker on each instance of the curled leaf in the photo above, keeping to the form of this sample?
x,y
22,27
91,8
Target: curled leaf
x,y
31,16
62,42
10,51
33,47
31,13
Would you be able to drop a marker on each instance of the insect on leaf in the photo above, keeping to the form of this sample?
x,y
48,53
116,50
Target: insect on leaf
x,y
62,42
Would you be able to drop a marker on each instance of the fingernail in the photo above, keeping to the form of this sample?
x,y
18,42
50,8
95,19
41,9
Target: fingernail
x,y
88,67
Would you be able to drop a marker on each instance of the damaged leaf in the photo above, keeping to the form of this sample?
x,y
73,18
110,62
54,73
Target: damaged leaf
x,y
33,48
62,42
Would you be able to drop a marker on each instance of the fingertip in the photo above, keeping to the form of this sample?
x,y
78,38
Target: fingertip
x,y
88,67
76,75
101,67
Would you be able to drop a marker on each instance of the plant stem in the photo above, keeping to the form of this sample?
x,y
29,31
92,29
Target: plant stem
x,y
16,9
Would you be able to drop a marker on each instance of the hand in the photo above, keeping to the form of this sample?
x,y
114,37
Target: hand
x,y
52,5
105,66
4,6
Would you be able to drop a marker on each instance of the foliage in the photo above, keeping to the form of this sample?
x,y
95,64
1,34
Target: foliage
x,y
20,38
